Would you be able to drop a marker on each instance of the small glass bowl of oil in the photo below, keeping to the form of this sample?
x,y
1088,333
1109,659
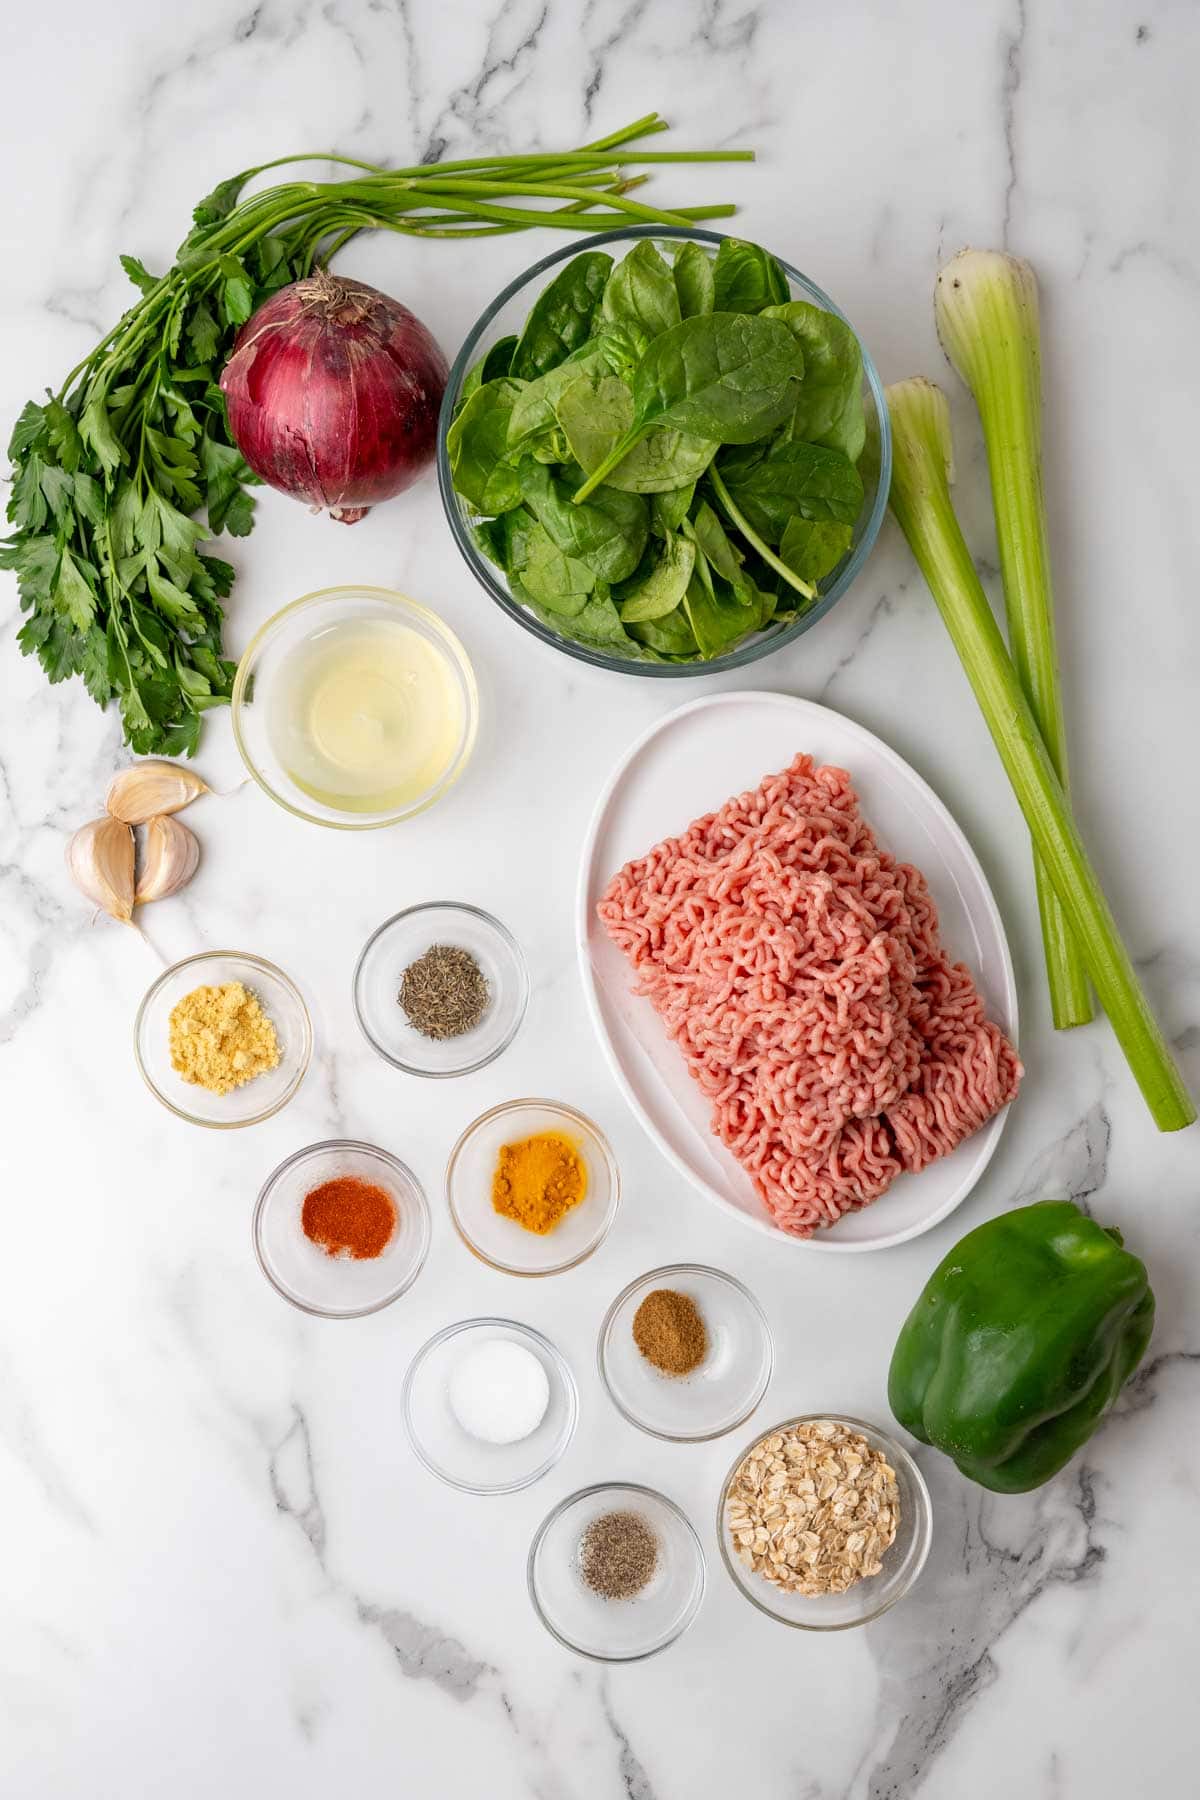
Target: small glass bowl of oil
x,y
355,707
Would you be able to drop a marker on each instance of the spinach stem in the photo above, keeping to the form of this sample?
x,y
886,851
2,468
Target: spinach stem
x,y
752,538
920,500
618,453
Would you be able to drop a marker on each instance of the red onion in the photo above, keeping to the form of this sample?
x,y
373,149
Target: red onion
x,y
333,392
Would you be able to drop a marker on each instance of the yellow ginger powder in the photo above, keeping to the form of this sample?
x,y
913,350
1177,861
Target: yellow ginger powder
x,y
220,1037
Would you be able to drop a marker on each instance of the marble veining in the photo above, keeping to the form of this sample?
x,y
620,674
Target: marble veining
x,y
222,1570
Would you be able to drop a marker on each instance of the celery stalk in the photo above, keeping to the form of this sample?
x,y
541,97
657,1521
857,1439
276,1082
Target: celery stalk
x,y
920,500
986,306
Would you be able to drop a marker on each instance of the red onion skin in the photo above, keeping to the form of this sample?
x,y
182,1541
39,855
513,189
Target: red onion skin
x,y
333,391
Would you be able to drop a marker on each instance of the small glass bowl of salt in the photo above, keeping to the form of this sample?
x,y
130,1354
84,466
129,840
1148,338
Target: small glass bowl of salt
x,y
489,1405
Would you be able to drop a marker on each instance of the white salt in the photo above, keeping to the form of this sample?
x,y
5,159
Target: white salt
x,y
499,1391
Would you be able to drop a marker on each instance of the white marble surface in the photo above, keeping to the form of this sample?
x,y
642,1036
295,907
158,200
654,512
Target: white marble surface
x,y
222,1572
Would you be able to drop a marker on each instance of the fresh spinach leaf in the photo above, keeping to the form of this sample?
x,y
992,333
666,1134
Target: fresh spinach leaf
x,y
498,361
535,415
597,625
490,537
668,510
641,292
718,621
694,281
477,445
670,636
561,319
724,376
721,555
747,278
808,479
608,532
491,366
621,344
829,402
596,413
664,587
552,579
813,547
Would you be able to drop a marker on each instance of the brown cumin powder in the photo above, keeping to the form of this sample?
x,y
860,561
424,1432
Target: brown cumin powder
x,y
669,1331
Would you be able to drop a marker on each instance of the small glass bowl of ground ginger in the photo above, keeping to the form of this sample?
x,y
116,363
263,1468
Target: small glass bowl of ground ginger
x,y
532,1187
223,1039
685,1353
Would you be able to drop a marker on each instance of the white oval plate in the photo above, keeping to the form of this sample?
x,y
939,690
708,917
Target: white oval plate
x,y
686,765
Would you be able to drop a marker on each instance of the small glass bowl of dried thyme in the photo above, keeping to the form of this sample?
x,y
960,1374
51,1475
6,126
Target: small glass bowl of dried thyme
x,y
223,1039
685,1353
824,1522
616,1572
440,989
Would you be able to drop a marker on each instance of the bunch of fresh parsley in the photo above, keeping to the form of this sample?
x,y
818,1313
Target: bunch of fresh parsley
x,y
106,477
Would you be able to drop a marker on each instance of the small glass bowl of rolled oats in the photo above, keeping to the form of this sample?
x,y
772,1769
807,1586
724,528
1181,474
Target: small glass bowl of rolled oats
x,y
824,1522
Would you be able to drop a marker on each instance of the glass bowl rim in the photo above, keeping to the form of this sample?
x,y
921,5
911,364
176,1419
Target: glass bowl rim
x,y
256,962
477,563
562,1367
519,962
618,1487
302,1155
896,1453
577,1118
450,643
728,1280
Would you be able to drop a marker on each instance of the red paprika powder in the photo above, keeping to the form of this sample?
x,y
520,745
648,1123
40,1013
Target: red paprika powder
x,y
349,1216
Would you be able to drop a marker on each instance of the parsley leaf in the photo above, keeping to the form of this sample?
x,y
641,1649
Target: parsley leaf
x,y
139,274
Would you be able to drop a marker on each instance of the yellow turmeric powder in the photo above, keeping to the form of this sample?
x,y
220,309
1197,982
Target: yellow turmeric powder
x,y
538,1180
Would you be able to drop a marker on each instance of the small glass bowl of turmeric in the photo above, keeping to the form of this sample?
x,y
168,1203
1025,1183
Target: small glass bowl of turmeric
x,y
532,1187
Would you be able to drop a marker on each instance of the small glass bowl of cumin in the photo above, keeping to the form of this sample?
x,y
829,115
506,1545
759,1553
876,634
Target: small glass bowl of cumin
x,y
723,1388
398,944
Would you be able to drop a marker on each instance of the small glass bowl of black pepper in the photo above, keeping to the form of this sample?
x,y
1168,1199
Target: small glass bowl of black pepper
x,y
616,1572
440,989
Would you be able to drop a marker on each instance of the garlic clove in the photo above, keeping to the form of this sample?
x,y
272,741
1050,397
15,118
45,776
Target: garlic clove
x,y
148,789
170,859
100,861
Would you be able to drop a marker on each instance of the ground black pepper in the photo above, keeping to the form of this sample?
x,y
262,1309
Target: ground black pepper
x,y
618,1554
445,992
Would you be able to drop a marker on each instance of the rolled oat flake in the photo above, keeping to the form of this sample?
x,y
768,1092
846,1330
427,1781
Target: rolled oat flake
x,y
618,1554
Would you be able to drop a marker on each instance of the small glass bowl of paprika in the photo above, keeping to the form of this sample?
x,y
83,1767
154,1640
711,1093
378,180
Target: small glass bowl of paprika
x,y
529,1236
341,1229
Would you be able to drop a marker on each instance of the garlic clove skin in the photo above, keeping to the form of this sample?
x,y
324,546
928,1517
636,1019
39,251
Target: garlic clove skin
x,y
100,862
170,859
146,790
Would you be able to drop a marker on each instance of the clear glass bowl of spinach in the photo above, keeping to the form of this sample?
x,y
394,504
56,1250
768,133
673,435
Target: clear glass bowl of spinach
x,y
650,451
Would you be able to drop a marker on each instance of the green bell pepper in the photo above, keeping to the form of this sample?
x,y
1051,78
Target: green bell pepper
x,y
1020,1342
